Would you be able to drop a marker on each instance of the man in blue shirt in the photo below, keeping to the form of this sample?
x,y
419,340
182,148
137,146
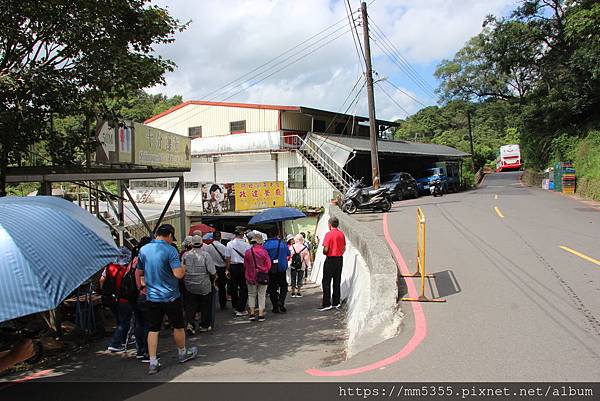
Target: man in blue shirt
x,y
160,271
278,286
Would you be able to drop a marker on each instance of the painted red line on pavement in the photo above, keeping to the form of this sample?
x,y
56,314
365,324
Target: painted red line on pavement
x,y
420,321
32,376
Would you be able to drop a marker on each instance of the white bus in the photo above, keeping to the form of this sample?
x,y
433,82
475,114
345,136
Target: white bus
x,y
509,158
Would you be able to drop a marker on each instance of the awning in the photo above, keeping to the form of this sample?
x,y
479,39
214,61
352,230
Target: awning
x,y
397,147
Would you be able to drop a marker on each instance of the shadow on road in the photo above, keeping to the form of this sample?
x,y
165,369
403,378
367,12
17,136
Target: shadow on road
x,y
236,350
445,283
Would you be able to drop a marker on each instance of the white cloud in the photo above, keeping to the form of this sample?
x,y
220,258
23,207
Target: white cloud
x,y
227,39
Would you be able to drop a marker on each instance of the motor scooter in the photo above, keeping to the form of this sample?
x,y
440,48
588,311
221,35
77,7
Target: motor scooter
x,y
357,197
435,187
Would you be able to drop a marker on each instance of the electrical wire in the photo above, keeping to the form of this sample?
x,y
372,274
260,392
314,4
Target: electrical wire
x,y
295,58
397,55
402,91
392,99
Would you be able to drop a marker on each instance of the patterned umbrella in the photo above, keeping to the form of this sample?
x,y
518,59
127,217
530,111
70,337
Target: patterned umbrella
x,y
48,247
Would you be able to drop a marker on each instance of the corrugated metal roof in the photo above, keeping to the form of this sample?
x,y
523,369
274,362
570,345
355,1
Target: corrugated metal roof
x,y
398,147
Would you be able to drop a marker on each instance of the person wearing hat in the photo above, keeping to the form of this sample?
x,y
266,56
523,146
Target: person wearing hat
x,y
257,262
239,290
199,270
160,271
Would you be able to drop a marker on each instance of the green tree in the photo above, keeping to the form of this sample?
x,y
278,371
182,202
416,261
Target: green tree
x,y
60,58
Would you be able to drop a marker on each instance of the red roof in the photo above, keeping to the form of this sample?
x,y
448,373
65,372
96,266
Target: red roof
x,y
224,104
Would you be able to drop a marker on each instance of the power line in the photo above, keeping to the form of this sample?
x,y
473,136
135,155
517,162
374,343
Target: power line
x,y
298,57
275,58
392,99
355,31
402,91
420,86
398,55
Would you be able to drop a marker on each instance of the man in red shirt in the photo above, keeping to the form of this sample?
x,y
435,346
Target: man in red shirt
x,y
334,245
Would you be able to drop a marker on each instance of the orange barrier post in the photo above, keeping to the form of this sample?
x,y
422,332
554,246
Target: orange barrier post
x,y
421,261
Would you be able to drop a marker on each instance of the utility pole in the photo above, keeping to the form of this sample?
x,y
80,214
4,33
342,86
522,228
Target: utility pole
x,y
371,97
471,136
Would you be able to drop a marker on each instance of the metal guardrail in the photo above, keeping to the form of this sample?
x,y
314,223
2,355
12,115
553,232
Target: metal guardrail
x,y
420,273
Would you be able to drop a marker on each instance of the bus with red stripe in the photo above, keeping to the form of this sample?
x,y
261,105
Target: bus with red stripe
x,y
509,158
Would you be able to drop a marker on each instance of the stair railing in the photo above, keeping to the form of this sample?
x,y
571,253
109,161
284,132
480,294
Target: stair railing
x,y
314,150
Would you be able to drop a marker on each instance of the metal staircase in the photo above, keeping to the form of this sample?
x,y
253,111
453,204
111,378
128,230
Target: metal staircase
x,y
315,155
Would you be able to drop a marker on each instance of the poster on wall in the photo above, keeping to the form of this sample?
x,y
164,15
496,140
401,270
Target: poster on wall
x,y
259,195
218,198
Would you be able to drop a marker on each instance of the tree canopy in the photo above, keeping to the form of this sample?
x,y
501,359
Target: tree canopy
x,y
542,62
70,58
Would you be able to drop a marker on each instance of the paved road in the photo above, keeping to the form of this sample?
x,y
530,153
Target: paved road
x,y
518,306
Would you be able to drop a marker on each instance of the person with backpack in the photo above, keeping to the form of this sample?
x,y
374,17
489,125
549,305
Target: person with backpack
x,y
200,269
239,289
278,285
139,308
110,284
300,262
221,256
257,263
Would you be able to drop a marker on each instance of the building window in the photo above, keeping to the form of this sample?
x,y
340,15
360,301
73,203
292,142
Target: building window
x,y
318,125
192,185
237,127
297,177
195,132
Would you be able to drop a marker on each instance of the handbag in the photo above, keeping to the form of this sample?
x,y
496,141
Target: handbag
x,y
261,277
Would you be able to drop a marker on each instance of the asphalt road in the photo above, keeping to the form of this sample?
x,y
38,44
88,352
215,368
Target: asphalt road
x,y
519,307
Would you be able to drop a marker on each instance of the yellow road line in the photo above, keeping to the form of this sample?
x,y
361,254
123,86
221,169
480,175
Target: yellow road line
x,y
581,255
498,212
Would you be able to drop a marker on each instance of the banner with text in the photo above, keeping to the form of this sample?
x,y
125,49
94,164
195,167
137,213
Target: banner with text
x,y
259,195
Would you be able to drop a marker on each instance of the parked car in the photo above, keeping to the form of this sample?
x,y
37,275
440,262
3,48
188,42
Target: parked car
x,y
401,186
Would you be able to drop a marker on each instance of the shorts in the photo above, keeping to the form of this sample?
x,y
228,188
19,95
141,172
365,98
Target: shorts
x,y
156,311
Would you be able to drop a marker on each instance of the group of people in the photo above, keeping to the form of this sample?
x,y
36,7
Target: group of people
x,y
186,285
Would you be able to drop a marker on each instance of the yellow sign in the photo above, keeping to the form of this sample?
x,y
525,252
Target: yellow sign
x,y
259,195
157,148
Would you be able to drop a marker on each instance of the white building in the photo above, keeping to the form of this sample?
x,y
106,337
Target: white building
x,y
310,150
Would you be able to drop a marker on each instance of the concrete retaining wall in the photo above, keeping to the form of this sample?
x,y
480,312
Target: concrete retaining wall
x,y
368,283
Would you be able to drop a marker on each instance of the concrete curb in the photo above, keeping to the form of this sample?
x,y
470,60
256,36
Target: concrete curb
x,y
374,315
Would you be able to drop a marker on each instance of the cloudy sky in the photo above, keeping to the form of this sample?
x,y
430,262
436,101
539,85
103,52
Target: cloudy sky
x,y
228,39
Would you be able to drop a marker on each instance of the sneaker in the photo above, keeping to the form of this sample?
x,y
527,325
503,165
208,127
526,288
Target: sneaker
x,y
282,309
338,306
190,354
116,349
190,329
276,310
298,295
131,342
293,295
153,369
261,318
145,359
240,314
326,308
252,318
204,329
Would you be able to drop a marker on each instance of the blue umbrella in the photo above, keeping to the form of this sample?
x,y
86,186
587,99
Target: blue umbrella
x,y
48,247
276,215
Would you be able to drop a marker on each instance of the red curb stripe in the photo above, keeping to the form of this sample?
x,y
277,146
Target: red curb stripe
x,y
420,322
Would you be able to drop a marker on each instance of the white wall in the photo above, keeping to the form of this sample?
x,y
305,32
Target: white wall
x,y
318,190
215,120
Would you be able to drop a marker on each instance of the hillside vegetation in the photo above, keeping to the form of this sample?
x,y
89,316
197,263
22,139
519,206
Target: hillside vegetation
x,y
531,78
